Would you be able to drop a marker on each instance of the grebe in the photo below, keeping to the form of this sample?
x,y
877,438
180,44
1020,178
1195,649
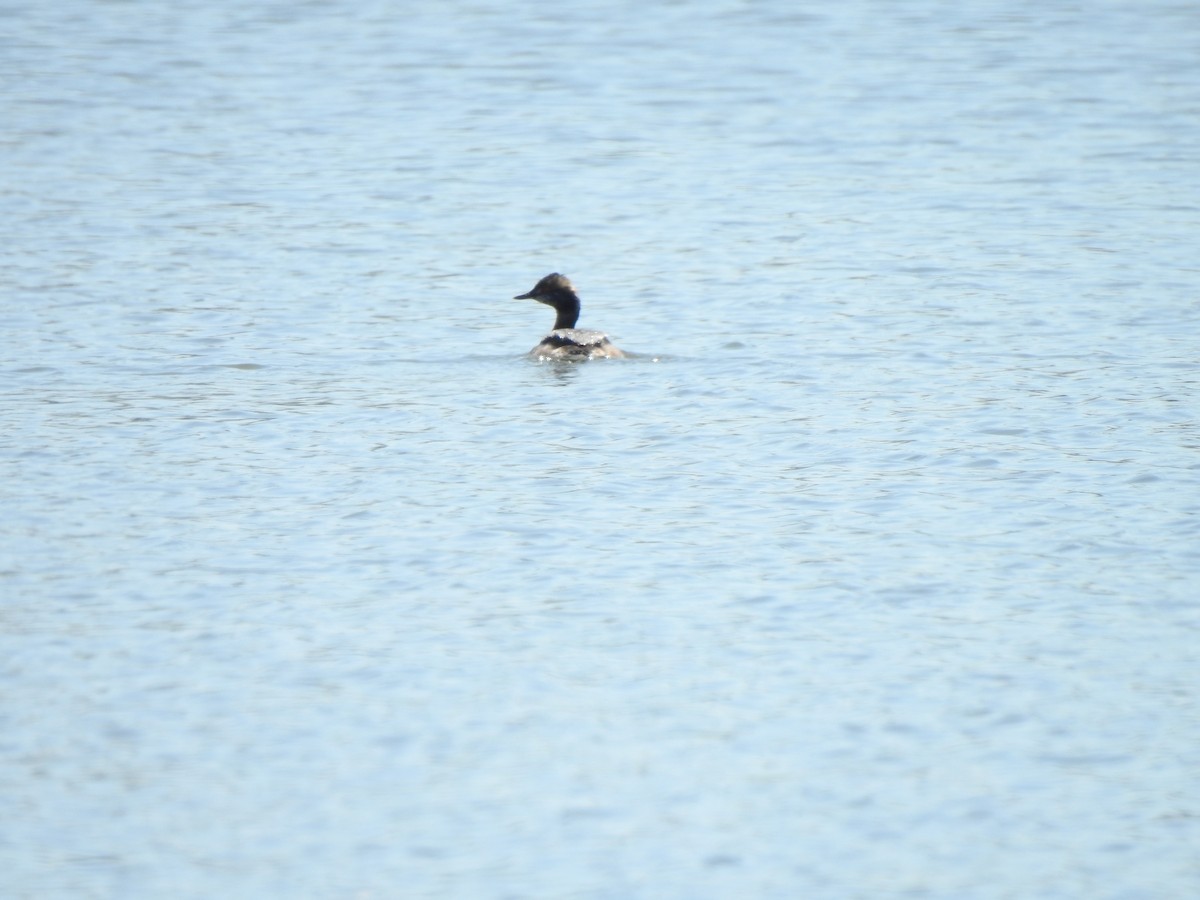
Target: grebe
x,y
566,341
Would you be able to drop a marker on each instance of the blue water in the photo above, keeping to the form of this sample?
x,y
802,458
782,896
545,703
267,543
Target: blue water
x,y
874,574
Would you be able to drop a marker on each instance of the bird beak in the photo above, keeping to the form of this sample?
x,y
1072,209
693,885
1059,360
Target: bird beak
x,y
526,296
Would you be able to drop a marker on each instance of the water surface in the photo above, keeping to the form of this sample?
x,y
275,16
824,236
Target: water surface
x,y
873,575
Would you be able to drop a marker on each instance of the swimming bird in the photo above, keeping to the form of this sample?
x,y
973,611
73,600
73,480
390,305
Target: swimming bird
x,y
566,341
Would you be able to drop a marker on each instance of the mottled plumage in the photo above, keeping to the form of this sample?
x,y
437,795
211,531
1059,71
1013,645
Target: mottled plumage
x,y
566,341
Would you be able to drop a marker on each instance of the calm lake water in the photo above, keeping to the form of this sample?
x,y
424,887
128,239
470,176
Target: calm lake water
x,y
874,574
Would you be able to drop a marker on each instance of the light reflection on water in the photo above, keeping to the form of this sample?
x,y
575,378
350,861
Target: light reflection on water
x,y
874,574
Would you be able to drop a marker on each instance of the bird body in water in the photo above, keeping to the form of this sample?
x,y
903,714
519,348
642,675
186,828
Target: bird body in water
x,y
566,341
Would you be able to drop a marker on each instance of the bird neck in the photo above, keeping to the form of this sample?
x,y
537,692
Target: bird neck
x,y
567,307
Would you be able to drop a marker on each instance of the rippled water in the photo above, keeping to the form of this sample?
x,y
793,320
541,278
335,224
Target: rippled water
x,y
874,574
